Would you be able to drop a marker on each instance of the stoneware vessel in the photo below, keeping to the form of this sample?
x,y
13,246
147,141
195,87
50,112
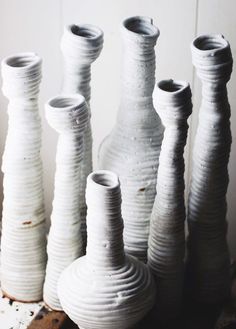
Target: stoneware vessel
x,y
68,115
105,288
23,245
81,45
208,256
172,101
132,149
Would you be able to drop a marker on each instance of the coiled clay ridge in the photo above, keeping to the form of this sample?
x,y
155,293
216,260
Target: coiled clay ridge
x,y
172,100
23,245
81,45
105,288
68,115
132,149
208,254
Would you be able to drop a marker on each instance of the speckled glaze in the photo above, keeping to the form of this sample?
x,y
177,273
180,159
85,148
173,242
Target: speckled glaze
x,y
172,101
23,244
208,256
68,115
81,45
105,288
132,149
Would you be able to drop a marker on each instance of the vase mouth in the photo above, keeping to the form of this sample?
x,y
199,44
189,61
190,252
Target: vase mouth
x,y
22,60
172,86
104,178
141,25
66,101
210,42
85,31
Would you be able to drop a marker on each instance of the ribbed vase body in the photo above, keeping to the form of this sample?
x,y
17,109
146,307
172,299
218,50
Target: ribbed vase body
x,y
23,245
132,149
68,115
208,256
105,288
81,45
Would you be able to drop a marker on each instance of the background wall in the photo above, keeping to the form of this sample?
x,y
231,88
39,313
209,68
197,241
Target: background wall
x,y
37,25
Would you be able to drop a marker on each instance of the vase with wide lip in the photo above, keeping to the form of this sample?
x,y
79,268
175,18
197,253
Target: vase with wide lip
x,y
208,255
68,115
23,244
172,101
105,288
81,45
132,149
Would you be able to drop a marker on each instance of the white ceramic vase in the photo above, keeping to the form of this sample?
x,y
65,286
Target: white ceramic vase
x,y
172,101
105,288
208,256
23,244
81,45
132,149
68,115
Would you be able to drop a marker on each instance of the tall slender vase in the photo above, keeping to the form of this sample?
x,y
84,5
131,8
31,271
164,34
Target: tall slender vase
x,y
23,245
132,149
68,115
81,45
208,256
172,100
105,288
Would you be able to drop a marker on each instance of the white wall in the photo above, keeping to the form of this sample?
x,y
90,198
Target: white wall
x,y
37,25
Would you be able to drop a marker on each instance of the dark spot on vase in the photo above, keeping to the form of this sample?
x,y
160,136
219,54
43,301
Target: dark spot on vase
x,y
142,189
27,222
54,321
10,301
31,313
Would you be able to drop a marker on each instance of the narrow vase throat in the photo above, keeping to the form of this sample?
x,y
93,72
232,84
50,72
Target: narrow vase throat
x,y
105,226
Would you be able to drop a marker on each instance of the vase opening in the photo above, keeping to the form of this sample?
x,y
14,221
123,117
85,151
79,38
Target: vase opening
x,y
65,102
22,60
172,86
105,178
210,42
141,25
85,31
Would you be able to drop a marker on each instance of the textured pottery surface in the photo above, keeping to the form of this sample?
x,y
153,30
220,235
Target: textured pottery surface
x,y
132,149
172,101
23,244
68,115
105,288
81,45
208,255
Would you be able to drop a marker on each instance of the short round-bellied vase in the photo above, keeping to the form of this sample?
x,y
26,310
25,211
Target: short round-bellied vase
x,y
132,148
81,45
172,101
208,255
105,288
23,244
68,115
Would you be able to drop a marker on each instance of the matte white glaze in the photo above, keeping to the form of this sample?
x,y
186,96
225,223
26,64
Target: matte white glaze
x,y
172,101
132,149
105,288
207,246
23,244
81,45
68,115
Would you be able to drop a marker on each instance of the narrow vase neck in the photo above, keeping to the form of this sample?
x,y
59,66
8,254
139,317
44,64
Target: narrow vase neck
x,y
77,79
105,248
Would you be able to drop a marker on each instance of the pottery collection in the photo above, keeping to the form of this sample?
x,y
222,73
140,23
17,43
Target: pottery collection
x,y
132,148
116,244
